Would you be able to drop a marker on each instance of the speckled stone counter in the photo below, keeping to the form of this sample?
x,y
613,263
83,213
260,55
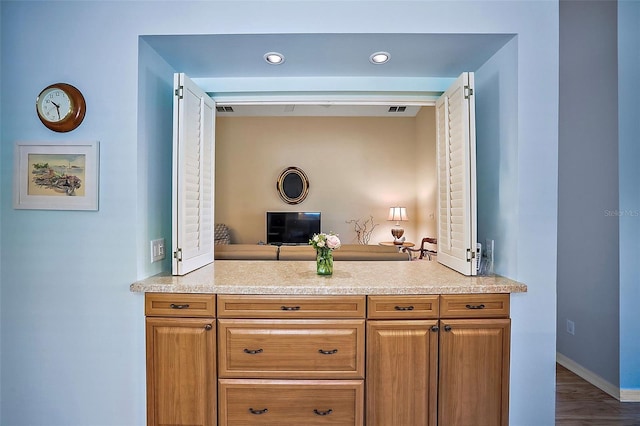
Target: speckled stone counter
x,y
299,277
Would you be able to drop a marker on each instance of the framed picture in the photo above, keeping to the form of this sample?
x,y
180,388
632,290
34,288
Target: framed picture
x,y
56,176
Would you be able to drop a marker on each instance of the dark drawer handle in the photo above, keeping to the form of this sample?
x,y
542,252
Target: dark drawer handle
x,y
174,306
252,411
481,306
290,308
323,413
208,327
447,328
403,308
331,352
253,351
435,328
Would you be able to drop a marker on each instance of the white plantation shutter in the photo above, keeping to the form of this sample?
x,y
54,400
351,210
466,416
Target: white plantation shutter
x,y
456,159
193,176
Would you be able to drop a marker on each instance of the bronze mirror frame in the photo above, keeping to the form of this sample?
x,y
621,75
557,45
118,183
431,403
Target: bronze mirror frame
x,y
293,185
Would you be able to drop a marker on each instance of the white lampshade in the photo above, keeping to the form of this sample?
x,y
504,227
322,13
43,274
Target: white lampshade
x,y
398,214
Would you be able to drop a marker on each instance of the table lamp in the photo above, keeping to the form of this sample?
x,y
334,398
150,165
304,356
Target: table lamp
x,y
398,214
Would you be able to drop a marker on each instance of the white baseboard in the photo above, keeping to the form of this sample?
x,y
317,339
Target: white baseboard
x,y
622,395
629,395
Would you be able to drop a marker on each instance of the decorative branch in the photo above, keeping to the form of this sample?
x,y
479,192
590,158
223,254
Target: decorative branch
x,y
363,230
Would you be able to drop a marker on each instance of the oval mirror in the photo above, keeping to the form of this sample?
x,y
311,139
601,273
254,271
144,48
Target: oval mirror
x,y
293,185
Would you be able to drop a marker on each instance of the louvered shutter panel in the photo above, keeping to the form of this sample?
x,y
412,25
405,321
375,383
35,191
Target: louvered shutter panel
x,y
456,162
193,176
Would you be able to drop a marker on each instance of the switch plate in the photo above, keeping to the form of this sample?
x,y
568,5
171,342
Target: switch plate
x,y
157,250
571,327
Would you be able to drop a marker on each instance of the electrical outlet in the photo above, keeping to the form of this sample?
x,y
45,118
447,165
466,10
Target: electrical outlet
x,y
488,254
489,249
157,250
571,327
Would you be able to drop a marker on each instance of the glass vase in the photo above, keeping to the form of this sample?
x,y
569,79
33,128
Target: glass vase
x,y
324,262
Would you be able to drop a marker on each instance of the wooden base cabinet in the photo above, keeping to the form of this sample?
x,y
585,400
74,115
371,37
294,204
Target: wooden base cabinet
x,y
294,360
450,368
181,361
474,372
401,381
401,360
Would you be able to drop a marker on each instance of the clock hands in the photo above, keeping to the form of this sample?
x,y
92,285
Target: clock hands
x,y
57,108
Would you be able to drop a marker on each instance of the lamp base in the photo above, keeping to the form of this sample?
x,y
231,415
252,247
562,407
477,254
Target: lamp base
x,y
397,234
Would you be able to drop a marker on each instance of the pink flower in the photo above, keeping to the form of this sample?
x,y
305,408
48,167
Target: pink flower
x,y
333,242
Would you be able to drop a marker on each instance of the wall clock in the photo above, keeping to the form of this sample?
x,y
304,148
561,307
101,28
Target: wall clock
x,y
61,107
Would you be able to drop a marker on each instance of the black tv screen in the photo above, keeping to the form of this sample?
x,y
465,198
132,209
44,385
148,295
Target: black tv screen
x,y
292,227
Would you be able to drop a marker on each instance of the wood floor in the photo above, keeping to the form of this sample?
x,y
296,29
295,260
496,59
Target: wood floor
x,y
579,403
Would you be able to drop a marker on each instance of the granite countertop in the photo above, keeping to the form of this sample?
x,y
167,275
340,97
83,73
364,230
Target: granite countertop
x,y
349,277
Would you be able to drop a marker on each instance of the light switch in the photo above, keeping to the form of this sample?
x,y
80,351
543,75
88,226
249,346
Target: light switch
x,y
157,250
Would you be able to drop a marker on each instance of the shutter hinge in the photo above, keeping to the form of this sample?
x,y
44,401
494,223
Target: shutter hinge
x,y
178,255
470,255
468,92
179,92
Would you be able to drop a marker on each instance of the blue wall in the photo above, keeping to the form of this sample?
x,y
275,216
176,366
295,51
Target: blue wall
x,y
629,153
72,333
588,159
497,155
598,192
155,149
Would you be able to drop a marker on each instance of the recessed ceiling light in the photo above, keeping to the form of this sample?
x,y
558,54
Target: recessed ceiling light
x,y
379,58
274,58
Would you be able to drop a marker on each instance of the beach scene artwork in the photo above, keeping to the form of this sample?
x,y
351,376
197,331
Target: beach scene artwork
x,y
56,175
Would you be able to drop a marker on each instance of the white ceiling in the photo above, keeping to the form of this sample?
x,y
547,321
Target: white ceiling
x,y
223,56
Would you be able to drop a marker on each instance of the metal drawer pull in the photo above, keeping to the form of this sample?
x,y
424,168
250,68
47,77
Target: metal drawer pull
x,y
252,411
447,328
435,328
475,306
331,352
174,306
403,308
208,327
290,308
323,413
253,351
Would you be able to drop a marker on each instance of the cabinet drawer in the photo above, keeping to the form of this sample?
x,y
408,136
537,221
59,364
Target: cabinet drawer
x,y
245,306
180,305
291,402
474,306
390,307
301,349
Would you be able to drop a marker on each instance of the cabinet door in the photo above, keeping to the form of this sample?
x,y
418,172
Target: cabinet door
x,y
402,359
474,372
181,366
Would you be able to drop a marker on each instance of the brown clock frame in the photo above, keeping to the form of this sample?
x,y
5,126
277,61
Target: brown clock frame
x,y
78,109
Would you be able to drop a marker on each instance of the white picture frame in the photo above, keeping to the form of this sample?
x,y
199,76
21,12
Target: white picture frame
x,y
56,175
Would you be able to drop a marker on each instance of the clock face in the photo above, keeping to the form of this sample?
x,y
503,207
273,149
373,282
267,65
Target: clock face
x,y
54,105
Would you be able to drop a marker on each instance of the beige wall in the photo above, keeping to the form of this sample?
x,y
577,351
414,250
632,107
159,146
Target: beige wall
x,y
426,181
357,166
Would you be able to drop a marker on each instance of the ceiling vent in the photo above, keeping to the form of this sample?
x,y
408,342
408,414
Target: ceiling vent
x,y
397,109
224,109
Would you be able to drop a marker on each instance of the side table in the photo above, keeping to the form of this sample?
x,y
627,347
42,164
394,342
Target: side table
x,y
401,247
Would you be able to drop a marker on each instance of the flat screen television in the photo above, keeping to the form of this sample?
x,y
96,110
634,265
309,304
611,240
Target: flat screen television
x,y
292,227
